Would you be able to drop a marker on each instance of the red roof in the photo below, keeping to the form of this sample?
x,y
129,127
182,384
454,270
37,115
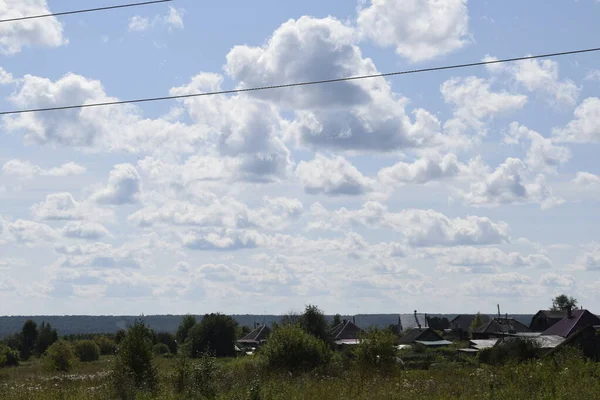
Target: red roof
x,y
567,326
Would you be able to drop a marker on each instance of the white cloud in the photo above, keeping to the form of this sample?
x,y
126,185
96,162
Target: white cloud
x,y
589,260
6,77
332,176
42,32
540,76
85,230
30,232
64,207
555,280
543,154
420,228
475,258
419,29
430,168
593,75
475,103
138,24
587,180
499,285
585,128
230,240
508,184
25,169
173,19
360,115
124,186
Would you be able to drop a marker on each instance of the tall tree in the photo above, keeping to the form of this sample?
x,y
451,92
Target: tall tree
x,y
216,333
46,337
477,322
563,302
185,325
337,319
29,335
313,322
291,318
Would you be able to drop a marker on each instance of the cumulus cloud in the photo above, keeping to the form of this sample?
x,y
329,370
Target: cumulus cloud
x,y
419,29
475,103
543,155
586,180
555,280
585,127
541,76
420,228
6,77
474,258
58,206
25,169
138,24
353,115
172,20
41,32
589,260
85,230
593,75
229,241
30,232
499,285
332,176
124,186
509,184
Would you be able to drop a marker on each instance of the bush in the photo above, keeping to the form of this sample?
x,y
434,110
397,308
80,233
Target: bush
x,y
107,346
133,366
216,334
59,357
197,378
376,350
169,340
291,349
87,350
8,357
514,349
161,349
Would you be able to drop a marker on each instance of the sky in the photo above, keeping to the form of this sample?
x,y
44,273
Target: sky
x,y
443,192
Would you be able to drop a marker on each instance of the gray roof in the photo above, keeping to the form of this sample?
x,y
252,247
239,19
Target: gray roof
x,y
463,321
434,342
258,335
483,343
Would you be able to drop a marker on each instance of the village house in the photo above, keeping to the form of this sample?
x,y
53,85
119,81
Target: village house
x,y
498,327
345,333
544,319
425,337
461,324
573,322
255,338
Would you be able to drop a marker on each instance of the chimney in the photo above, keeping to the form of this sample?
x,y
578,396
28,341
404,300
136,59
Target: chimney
x,y
569,312
417,320
354,320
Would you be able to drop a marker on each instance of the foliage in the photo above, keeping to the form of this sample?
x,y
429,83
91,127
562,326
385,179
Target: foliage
x,y
29,335
477,322
291,318
8,357
107,346
376,350
168,339
161,349
185,325
563,302
242,331
13,341
45,338
216,333
438,323
313,322
195,378
87,350
59,356
290,348
119,336
515,349
337,319
133,364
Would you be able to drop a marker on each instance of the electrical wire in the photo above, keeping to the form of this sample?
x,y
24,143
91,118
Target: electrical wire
x,y
145,3
297,84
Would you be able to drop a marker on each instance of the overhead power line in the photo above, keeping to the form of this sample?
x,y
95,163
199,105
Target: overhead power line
x,y
145,3
307,83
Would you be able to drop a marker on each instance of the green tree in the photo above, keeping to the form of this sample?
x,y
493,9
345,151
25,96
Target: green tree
x,y
46,337
215,334
313,322
161,349
477,322
133,364
242,331
59,356
185,325
563,302
168,339
119,336
87,350
107,346
291,318
291,348
376,350
337,319
8,357
29,335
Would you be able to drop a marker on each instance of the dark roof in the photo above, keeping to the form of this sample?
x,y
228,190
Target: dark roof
x,y
560,314
567,326
412,335
345,330
257,335
504,325
464,321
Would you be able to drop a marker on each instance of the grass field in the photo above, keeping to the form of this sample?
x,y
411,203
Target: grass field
x,y
567,377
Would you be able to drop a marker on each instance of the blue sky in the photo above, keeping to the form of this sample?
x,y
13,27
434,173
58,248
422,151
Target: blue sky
x,y
449,191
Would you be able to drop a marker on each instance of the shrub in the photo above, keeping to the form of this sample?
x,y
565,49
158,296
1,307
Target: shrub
x,y
376,350
160,349
514,349
107,346
87,350
195,378
59,357
216,333
290,348
169,340
8,357
133,366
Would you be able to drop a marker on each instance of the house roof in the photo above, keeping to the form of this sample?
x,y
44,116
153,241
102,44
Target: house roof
x,y
550,314
345,330
434,342
544,342
499,325
483,343
567,326
257,335
414,335
463,321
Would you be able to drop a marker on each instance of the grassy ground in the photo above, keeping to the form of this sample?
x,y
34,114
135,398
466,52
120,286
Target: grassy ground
x,y
566,378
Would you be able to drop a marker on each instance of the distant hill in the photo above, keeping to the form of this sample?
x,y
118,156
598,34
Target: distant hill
x,y
67,325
